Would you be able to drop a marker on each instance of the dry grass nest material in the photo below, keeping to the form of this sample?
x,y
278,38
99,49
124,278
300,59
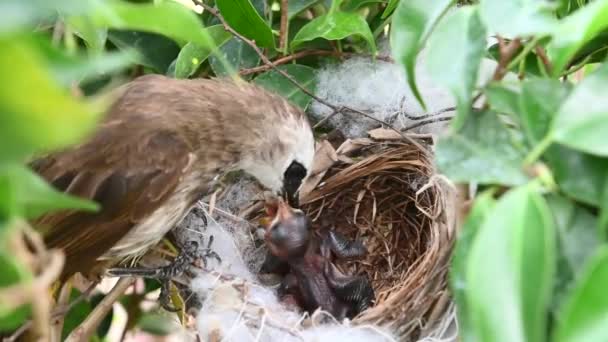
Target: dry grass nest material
x,y
385,193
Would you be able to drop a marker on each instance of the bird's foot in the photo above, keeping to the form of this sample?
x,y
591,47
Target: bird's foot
x,y
342,247
354,290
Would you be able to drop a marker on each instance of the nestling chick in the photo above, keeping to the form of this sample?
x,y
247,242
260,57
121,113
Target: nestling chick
x,y
161,146
311,278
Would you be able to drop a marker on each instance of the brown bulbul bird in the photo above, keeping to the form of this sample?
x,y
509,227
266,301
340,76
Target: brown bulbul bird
x,y
161,146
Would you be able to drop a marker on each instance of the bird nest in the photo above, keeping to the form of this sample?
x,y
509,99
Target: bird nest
x,y
384,192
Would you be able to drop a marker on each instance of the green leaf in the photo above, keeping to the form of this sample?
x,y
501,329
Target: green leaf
x,y
156,324
238,54
576,30
52,120
335,26
192,55
503,98
390,7
242,16
354,5
71,68
277,83
516,18
484,151
413,22
585,316
458,282
508,293
294,7
183,27
539,101
148,49
577,240
579,175
582,121
460,39
76,315
28,195
95,37
19,15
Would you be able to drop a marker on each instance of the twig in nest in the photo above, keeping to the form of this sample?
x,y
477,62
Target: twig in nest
x,y
84,331
426,122
264,58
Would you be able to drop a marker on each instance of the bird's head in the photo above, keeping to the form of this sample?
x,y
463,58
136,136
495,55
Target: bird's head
x,y
284,160
287,229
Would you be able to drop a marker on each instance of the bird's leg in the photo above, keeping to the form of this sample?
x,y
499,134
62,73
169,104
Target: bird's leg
x,y
342,247
188,254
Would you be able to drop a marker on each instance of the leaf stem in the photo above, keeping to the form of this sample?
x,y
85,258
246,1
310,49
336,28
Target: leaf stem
x,y
527,48
539,149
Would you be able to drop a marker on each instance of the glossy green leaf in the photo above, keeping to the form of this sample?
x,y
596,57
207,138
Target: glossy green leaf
x,y
576,30
413,22
483,151
503,98
28,195
335,26
52,120
95,37
354,5
577,241
585,316
238,54
242,16
582,121
277,83
458,281
515,18
148,49
508,293
460,39
390,7
192,55
183,27
294,7
579,175
539,102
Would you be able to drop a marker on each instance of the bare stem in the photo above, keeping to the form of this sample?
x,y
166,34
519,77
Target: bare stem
x,y
283,33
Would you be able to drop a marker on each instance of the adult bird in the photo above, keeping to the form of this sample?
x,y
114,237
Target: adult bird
x,y
161,146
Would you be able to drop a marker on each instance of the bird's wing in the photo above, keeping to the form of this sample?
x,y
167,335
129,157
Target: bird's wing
x,y
128,181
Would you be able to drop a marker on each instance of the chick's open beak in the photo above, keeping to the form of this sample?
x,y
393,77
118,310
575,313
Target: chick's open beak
x,y
277,210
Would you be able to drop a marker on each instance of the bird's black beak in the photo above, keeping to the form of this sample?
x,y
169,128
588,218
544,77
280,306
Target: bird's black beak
x,y
292,197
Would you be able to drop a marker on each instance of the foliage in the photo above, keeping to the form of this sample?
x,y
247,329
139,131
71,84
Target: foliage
x,y
530,261
528,264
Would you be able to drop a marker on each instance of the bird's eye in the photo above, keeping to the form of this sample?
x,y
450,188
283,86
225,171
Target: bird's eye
x,y
292,179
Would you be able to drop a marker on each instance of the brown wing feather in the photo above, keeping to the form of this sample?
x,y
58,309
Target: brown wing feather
x,y
130,185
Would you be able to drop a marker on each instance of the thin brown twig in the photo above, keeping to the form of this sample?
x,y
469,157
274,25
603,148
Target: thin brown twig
x,y
84,331
307,53
543,57
283,33
507,51
266,60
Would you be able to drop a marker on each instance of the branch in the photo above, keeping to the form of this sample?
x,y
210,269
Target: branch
x,y
543,57
264,58
283,33
84,331
507,51
306,53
